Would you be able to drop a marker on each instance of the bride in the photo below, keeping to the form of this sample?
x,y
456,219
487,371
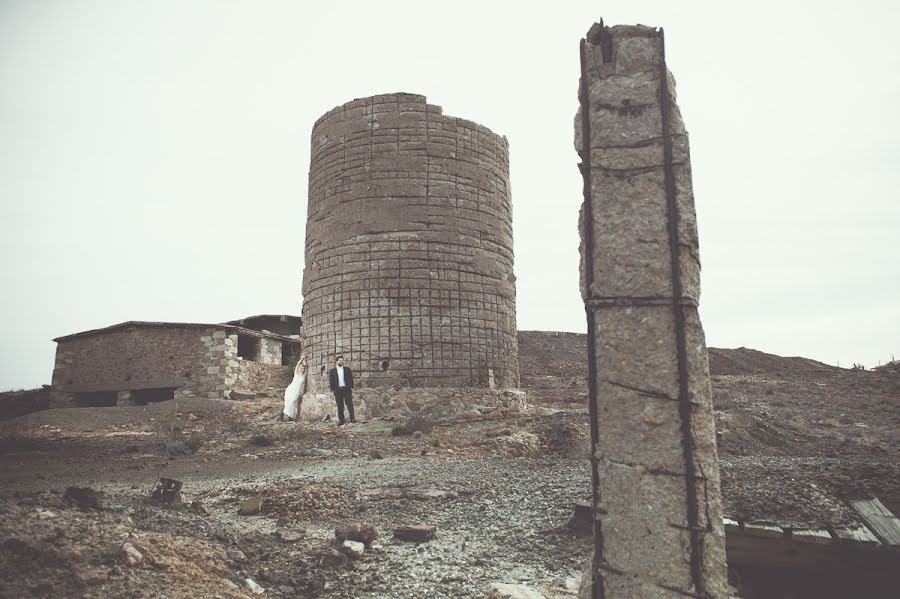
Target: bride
x,y
294,392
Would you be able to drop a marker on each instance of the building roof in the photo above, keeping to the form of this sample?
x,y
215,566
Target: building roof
x,y
172,325
258,316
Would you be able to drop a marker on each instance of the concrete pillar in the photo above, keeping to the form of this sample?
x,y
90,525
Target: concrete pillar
x,y
657,504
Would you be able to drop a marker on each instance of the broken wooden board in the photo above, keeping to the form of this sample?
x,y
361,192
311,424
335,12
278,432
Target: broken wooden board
x,y
819,537
764,530
860,534
884,524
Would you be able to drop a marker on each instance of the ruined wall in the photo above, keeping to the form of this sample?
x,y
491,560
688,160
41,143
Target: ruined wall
x,y
657,504
135,358
260,377
409,255
200,361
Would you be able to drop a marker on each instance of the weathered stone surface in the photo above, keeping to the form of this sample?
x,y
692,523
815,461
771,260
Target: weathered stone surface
x,y
85,498
132,555
249,507
253,587
353,549
660,508
503,590
134,363
432,403
362,532
409,257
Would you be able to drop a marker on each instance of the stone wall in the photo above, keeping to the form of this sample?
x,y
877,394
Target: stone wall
x,y
657,505
195,360
253,376
409,254
137,358
431,404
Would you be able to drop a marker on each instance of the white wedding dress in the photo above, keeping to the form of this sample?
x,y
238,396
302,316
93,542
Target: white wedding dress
x,y
292,395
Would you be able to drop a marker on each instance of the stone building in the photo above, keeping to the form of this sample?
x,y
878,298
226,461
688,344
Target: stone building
x,y
139,362
409,253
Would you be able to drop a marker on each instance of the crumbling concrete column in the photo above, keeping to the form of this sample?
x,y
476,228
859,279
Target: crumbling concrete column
x,y
657,505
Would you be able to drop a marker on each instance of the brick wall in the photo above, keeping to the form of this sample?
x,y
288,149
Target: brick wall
x,y
198,361
409,257
135,357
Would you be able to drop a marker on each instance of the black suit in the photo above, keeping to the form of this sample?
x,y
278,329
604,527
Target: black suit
x,y
342,395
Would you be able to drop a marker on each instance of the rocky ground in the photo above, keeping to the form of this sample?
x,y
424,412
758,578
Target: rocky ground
x,y
797,438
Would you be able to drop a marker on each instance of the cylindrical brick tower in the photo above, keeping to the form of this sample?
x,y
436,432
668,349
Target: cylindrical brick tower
x,y
409,251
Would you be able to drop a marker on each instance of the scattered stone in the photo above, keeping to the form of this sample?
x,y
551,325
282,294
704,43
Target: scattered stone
x,y
236,555
353,549
502,590
289,534
519,443
376,455
167,491
197,508
231,585
362,532
250,506
132,554
46,514
315,452
253,587
82,497
414,534
286,589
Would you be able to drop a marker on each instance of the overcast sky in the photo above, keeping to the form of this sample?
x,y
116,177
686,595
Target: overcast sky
x,y
154,156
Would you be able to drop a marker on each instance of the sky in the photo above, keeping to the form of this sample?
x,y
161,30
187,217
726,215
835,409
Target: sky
x,y
154,156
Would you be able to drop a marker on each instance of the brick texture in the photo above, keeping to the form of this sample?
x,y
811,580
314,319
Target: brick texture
x,y
409,254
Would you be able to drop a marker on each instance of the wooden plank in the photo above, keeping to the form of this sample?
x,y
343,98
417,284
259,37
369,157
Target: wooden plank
x,y
764,530
807,535
879,520
860,535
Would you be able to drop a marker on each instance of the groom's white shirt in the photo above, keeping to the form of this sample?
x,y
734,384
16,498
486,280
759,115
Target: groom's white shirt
x,y
341,382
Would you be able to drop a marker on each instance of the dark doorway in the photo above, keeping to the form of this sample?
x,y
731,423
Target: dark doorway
x,y
96,399
144,396
248,348
288,350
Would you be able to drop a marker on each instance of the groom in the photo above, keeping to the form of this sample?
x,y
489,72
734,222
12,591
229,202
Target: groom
x,y
340,380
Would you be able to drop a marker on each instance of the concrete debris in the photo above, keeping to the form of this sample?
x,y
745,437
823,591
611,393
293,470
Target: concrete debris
x,y
502,590
353,549
415,534
253,587
362,532
290,535
236,555
83,497
315,452
132,554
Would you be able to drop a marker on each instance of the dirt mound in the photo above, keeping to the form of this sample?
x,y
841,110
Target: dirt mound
x,y
750,361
